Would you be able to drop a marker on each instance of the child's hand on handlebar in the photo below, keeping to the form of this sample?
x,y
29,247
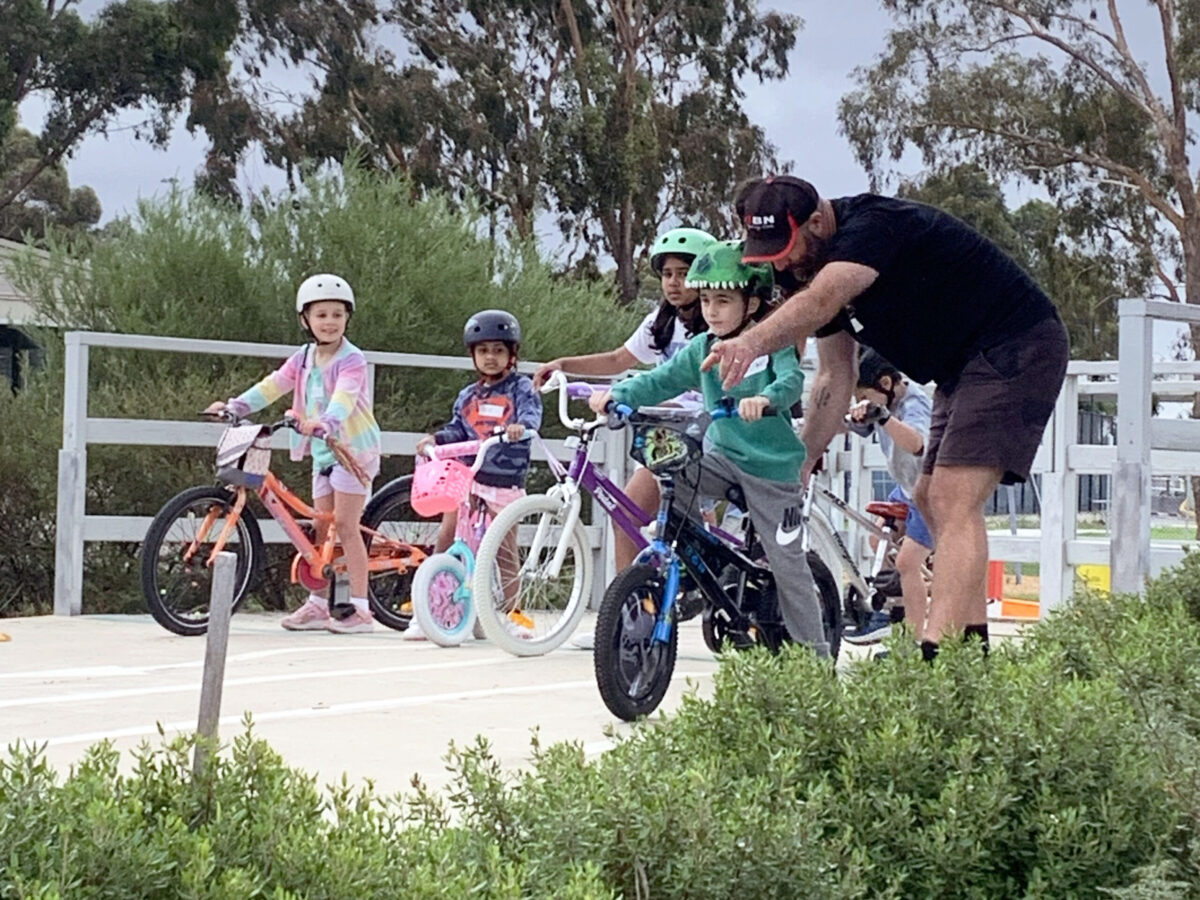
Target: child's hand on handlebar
x,y
599,401
311,428
751,409
216,408
425,444
515,431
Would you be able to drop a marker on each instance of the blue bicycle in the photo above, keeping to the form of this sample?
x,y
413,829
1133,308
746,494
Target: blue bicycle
x,y
636,629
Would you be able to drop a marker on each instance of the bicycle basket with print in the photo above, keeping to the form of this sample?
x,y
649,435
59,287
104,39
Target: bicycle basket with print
x,y
664,448
244,455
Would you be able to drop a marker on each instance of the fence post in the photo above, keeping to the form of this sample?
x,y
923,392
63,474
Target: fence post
x,y
1129,550
220,608
1059,500
72,481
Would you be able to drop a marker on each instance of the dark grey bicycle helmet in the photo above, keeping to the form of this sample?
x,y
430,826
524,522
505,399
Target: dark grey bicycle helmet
x,y
872,366
492,325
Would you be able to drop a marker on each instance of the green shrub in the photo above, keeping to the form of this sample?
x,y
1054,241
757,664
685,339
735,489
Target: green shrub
x,y
1063,766
190,267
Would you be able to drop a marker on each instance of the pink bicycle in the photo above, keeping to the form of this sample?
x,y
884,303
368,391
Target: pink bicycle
x,y
441,589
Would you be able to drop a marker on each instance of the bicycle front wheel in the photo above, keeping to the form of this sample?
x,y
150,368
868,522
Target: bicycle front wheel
x,y
831,603
527,603
633,670
176,577
443,610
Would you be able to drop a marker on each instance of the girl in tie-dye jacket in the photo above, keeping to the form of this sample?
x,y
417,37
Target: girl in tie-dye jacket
x,y
331,398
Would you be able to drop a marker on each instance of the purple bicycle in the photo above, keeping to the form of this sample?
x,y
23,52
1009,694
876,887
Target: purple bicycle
x,y
536,550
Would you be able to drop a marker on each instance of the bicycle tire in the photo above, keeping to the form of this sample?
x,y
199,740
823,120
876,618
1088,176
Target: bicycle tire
x,y
559,608
192,588
624,631
830,600
387,592
437,575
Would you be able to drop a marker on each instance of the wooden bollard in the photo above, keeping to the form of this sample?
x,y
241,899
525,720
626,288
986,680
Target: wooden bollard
x,y
220,608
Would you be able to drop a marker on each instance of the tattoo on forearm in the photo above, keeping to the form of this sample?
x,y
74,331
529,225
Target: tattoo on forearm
x,y
824,395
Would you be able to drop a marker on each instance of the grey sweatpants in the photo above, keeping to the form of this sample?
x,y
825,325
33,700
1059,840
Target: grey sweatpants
x,y
774,508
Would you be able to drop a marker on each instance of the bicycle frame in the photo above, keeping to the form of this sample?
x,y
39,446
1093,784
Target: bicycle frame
x,y
284,507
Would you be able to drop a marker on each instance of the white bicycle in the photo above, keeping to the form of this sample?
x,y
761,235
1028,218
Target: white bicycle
x,y
536,557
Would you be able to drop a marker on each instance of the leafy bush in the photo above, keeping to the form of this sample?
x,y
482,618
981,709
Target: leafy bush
x,y
191,267
1063,766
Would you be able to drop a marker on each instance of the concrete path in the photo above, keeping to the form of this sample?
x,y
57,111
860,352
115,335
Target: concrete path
x,y
372,706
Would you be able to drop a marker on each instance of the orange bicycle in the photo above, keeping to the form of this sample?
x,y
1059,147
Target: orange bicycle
x,y
195,525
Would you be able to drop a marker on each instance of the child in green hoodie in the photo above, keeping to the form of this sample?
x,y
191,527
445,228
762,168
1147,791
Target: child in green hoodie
x,y
758,453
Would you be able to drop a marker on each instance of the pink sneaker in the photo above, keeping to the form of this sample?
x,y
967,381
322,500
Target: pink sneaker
x,y
355,623
311,616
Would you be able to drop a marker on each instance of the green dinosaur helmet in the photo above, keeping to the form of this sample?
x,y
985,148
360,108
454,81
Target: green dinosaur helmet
x,y
686,243
720,267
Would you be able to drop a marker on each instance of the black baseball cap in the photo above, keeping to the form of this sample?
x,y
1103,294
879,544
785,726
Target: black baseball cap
x,y
772,209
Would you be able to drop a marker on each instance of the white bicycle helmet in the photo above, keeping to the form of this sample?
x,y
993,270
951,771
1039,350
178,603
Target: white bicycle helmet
x,y
323,287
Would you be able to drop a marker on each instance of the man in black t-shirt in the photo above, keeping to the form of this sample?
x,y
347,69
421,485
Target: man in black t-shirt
x,y
944,304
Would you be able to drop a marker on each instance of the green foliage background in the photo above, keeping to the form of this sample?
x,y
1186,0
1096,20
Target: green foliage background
x,y
195,268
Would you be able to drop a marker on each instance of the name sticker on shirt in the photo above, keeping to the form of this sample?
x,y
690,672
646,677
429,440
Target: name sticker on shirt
x,y
492,410
759,365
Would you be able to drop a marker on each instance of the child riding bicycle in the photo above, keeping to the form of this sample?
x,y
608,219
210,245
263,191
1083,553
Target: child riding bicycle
x,y
330,398
757,451
500,398
900,414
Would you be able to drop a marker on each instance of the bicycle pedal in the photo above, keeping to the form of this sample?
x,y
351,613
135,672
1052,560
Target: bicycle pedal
x,y
342,610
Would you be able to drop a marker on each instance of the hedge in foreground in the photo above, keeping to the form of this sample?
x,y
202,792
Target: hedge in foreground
x,y
1062,767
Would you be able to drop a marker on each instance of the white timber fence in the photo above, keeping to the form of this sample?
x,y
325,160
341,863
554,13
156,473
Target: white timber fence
x,y
1145,444
75,527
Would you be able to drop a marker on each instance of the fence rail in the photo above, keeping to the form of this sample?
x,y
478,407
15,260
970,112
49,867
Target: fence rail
x,y
75,527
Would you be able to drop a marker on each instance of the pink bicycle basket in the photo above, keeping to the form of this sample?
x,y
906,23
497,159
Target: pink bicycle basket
x,y
439,486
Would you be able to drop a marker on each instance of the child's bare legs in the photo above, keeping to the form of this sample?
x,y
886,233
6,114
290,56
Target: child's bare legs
x,y
909,562
445,535
347,514
642,489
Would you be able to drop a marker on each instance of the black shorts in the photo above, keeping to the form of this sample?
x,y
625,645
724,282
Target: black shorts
x,y
995,412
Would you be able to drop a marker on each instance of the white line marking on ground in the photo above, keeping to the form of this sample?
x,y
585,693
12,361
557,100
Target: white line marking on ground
x,y
82,696
341,709
118,671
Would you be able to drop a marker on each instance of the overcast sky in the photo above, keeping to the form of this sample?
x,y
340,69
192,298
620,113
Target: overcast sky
x,y
799,114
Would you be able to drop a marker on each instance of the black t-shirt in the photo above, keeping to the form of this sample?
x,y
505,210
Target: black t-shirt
x,y
944,291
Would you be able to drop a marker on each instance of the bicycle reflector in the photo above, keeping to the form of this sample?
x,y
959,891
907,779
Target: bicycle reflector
x,y
244,455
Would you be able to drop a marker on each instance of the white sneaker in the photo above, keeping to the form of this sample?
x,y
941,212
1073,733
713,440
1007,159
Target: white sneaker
x,y
585,640
413,632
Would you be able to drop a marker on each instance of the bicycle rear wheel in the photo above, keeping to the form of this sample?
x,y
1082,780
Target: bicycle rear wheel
x,y
523,605
632,670
389,512
445,613
176,578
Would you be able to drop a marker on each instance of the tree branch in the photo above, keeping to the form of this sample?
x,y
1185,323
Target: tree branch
x,y
1135,177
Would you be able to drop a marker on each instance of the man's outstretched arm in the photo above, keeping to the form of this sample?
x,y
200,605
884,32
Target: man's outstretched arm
x,y
837,371
794,322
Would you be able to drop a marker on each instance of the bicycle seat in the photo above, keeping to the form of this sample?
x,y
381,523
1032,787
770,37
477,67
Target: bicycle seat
x,y
897,511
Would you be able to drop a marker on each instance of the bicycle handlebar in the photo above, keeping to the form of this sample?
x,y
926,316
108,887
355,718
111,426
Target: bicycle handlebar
x,y
476,447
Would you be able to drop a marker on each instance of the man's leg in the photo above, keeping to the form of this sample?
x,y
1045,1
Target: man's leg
x,y
952,499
